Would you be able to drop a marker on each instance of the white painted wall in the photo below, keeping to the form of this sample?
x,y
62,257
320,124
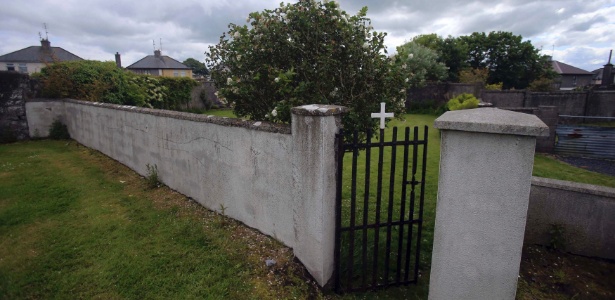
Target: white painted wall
x,y
278,183
32,67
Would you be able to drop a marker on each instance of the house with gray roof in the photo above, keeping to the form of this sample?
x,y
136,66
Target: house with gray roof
x,y
571,77
160,65
32,59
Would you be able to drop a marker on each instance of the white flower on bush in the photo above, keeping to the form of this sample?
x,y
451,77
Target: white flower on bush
x,y
277,79
237,35
404,66
229,80
410,56
366,45
402,91
239,57
274,112
407,79
248,20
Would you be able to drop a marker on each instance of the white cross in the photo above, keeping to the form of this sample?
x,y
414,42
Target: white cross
x,y
382,115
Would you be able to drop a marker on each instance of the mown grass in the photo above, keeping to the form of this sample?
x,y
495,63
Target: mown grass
x,y
222,112
547,166
75,224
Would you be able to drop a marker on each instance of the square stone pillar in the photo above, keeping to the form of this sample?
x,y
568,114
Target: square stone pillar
x,y
486,162
314,168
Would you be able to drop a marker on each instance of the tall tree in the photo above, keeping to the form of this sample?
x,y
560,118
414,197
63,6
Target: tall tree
x,y
198,68
420,61
510,60
307,52
451,52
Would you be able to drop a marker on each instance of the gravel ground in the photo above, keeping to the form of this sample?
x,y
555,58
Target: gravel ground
x,y
597,165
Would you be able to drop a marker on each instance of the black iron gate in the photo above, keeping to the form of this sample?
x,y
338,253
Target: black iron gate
x,y
378,225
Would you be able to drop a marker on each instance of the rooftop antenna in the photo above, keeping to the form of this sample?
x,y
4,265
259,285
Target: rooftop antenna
x,y
610,54
553,52
160,44
40,36
46,33
154,43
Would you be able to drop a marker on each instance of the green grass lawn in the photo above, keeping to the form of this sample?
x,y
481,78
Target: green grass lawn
x,y
75,224
223,112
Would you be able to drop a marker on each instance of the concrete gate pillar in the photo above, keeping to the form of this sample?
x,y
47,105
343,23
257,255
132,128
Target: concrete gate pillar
x,y
486,162
314,167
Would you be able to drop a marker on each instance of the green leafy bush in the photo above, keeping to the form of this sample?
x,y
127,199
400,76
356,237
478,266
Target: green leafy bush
x,y
494,87
105,82
58,131
308,52
463,101
542,84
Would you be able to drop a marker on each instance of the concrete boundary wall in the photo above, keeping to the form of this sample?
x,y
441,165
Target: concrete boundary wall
x,y
585,212
277,182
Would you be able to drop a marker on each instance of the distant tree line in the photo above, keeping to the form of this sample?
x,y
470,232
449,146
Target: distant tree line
x,y
495,58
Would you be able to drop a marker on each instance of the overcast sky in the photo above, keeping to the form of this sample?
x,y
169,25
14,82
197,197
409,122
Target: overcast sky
x,y
581,31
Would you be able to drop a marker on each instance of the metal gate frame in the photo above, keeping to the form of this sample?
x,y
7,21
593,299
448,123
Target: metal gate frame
x,y
344,282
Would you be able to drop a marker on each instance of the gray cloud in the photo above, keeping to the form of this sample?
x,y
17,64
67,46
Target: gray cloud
x,y
96,29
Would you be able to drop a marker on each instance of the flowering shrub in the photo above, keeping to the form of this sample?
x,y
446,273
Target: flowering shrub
x,y
421,62
308,52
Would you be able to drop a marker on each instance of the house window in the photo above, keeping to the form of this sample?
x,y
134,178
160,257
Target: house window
x,y
183,73
175,74
10,67
23,68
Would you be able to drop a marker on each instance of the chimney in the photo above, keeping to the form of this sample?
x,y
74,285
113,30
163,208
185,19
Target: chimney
x,y
607,73
157,53
45,44
118,60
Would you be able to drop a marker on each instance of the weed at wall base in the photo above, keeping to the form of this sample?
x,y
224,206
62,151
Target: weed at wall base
x,y
153,181
58,131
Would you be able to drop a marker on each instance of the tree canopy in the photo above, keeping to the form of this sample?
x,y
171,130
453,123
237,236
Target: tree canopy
x,y
307,52
198,68
507,58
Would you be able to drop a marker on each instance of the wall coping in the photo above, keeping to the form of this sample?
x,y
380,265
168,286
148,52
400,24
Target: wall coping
x,y
492,120
224,121
585,188
319,110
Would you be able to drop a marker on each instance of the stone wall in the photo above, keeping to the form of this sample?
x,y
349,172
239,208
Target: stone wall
x,y
597,103
438,94
503,98
568,103
280,183
601,103
14,89
584,213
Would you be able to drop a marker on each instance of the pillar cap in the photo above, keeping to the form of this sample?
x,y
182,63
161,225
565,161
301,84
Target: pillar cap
x,y
319,110
492,120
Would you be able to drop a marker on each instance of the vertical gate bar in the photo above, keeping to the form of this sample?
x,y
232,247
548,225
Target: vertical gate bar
x,y
378,199
353,201
338,208
368,147
421,201
402,217
412,201
387,257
